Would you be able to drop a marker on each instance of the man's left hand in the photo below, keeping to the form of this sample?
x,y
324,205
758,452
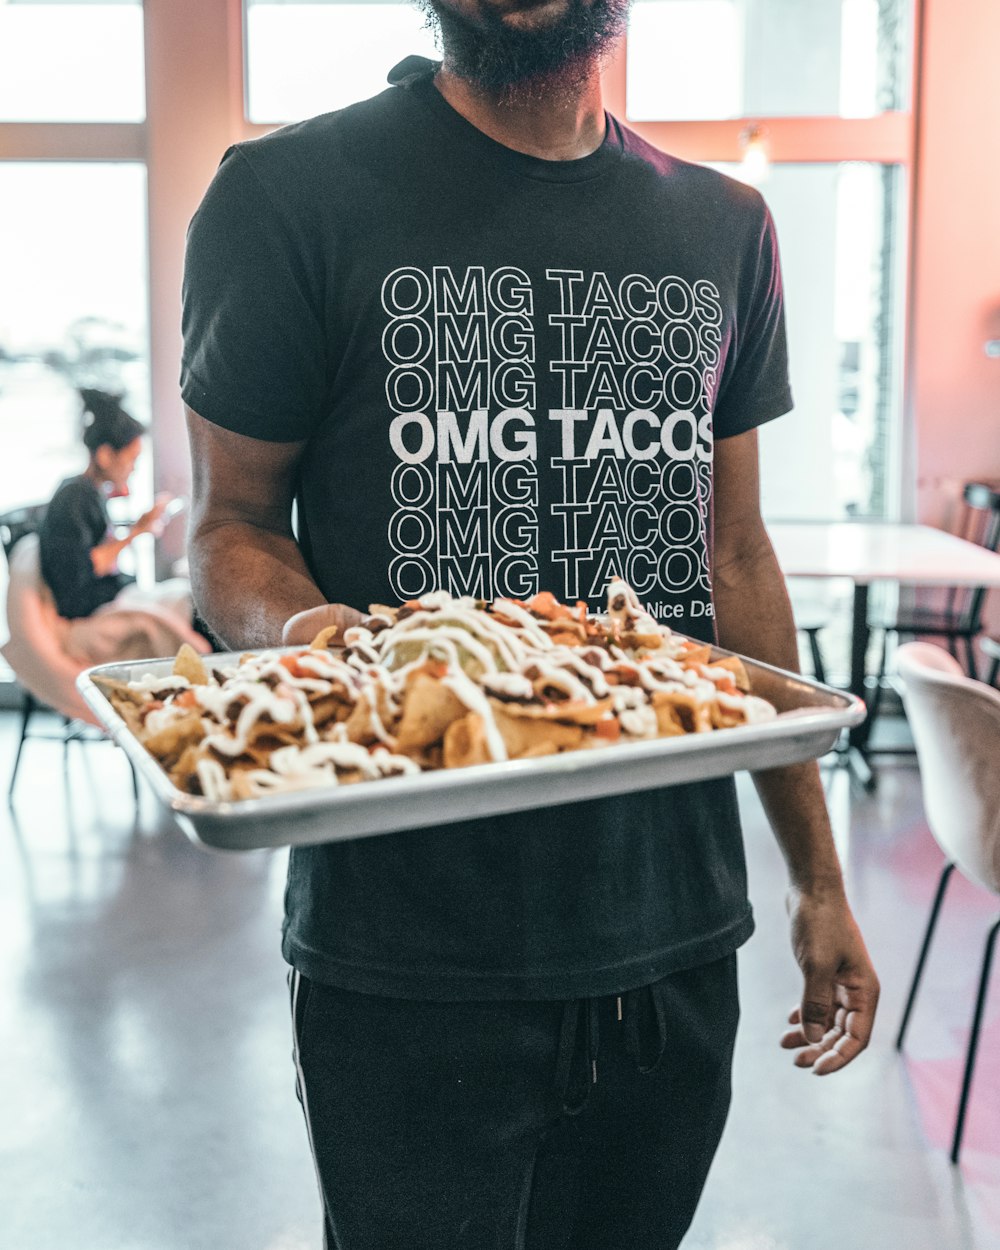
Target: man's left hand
x,y
833,1023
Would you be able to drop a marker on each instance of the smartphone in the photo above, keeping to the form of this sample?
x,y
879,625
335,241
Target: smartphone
x,y
173,508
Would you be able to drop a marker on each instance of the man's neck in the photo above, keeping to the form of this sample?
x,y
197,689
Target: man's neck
x,y
565,125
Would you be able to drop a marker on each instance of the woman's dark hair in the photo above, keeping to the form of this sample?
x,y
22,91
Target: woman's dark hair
x,y
107,422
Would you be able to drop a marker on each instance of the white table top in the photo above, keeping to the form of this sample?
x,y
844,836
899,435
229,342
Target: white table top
x,y
874,551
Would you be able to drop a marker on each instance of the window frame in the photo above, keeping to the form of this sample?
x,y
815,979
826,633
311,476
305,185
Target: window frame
x,y
180,146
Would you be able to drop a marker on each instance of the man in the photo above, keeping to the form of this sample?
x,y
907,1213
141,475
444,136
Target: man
x,y
488,340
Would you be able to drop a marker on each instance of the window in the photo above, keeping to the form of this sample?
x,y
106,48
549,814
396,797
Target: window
x,y
826,85
710,59
306,59
71,61
839,228
72,313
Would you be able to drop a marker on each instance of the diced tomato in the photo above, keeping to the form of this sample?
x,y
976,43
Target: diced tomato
x,y
610,729
291,662
726,685
546,604
187,698
541,602
435,668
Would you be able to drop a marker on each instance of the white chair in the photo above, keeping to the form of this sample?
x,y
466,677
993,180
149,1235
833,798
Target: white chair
x,y
956,728
47,653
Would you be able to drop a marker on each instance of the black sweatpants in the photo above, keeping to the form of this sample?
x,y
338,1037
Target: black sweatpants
x,y
585,1125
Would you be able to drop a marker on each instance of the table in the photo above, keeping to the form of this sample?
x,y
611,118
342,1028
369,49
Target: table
x,y
865,552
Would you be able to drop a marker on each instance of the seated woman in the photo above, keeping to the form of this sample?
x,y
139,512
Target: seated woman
x,y
105,615
79,552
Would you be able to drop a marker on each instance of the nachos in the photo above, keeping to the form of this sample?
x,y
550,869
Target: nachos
x,y
440,682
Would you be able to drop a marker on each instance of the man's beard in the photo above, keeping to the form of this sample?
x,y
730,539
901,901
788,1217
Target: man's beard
x,y
515,63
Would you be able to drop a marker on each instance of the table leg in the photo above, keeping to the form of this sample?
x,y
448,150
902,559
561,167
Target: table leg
x,y
859,650
857,758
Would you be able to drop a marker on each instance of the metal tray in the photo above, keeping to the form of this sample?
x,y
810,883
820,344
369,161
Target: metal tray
x,y
810,722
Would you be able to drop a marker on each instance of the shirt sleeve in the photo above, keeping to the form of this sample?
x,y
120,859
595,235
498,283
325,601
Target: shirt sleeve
x,y
255,350
755,387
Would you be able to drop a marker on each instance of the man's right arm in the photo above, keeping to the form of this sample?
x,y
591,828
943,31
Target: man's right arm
x,y
247,573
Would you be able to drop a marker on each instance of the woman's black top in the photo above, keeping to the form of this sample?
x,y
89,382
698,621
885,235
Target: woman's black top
x,y
77,521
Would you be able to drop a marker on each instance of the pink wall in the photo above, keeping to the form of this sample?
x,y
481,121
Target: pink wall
x,y
190,92
955,388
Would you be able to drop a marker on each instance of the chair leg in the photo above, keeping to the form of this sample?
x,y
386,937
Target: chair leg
x,y
922,958
819,668
875,701
953,648
970,657
970,1058
27,711
991,679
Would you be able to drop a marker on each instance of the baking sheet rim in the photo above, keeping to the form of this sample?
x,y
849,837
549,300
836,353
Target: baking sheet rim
x,y
815,720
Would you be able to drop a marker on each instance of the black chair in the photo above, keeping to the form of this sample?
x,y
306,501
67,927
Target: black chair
x,y
18,523
810,623
14,526
812,616
991,647
960,620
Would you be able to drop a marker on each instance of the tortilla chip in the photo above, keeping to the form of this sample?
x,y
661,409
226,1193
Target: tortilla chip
x,y
185,771
734,665
675,707
127,703
429,708
117,692
329,707
696,654
533,735
170,743
188,664
570,712
359,723
726,717
465,742
324,640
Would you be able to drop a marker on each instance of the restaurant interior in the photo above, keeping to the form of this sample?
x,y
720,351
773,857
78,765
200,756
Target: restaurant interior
x,y
147,1084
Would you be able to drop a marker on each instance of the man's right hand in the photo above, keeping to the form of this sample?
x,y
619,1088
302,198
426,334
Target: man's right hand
x,y
303,627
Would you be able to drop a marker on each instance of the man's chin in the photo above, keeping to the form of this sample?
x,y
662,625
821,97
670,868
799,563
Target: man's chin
x,y
524,48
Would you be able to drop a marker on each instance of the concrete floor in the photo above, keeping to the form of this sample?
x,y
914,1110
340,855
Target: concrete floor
x,y
146,1081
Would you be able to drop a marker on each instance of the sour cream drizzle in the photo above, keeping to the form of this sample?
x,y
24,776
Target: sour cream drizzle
x,y
506,653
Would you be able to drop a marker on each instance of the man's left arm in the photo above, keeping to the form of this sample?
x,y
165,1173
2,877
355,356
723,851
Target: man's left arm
x,y
833,1022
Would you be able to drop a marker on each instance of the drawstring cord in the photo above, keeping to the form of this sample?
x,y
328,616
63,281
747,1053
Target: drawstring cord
x,y
644,1044
640,1013
579,1040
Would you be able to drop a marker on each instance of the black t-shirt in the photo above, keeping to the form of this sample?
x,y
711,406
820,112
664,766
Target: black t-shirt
x,y
75,522
509,373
